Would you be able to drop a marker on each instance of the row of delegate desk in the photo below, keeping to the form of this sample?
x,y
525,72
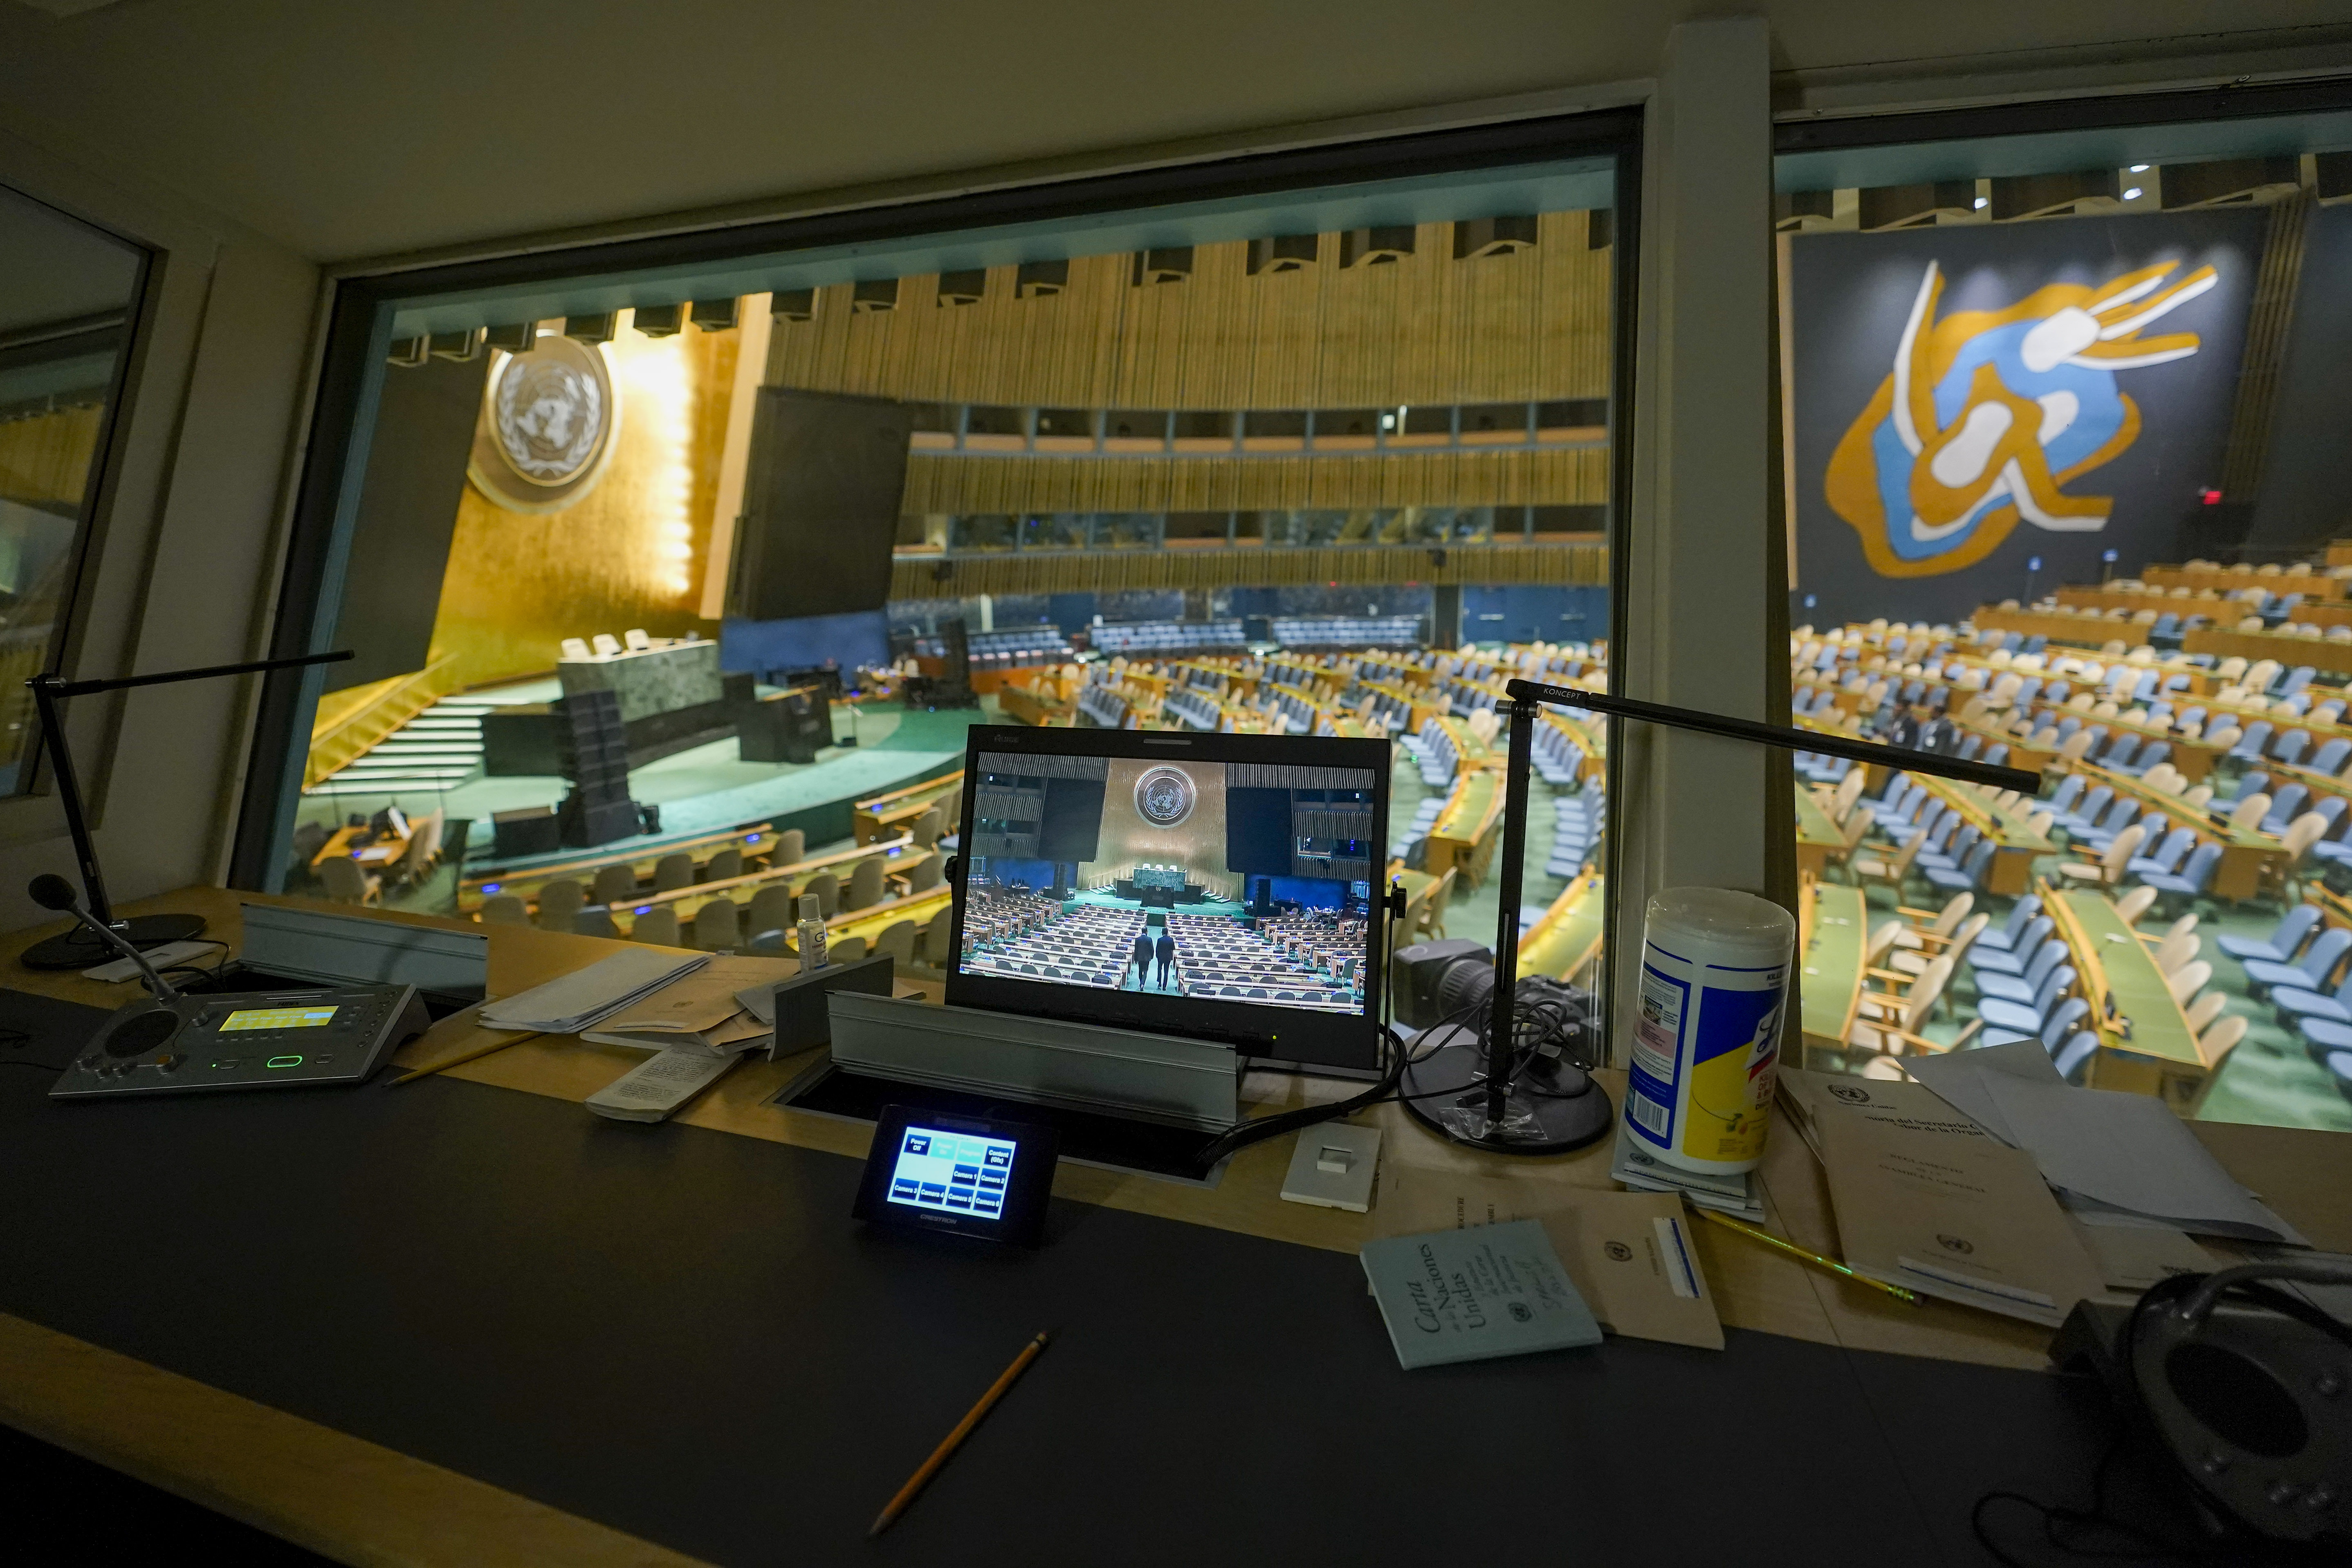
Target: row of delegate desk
x,y
464,1320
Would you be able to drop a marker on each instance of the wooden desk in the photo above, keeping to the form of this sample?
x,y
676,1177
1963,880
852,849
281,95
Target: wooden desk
x,y
2147,1047
2230,582
2333,658
887,815
1462,837
496,1201
1569,936
374,856
2248,857
2076,631
2194,759
2015,844
1819,841
1833,932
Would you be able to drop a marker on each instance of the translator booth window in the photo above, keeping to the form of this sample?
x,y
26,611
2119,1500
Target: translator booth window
x,y
2067,490
67,296
676,586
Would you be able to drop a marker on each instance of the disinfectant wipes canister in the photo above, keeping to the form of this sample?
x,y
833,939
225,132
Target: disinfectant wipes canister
x,y
1715,973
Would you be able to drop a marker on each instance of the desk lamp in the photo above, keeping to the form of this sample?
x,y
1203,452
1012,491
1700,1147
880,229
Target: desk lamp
x,y
1469,1091
81,948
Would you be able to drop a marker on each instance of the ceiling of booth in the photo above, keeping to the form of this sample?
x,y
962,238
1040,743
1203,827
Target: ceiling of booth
x,y
349,131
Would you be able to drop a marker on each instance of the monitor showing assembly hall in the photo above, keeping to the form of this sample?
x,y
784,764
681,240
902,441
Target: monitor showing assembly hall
x,y
1213,886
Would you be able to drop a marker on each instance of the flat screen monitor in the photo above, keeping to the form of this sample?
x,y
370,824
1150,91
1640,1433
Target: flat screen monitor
x,y
1216,887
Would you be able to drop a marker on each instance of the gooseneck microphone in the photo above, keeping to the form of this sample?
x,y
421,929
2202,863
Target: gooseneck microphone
x,y
54,892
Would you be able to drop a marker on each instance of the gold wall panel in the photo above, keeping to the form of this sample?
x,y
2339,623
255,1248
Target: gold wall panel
x,y
1425,329
1583,562
1126,839
45,459
518,584
963,484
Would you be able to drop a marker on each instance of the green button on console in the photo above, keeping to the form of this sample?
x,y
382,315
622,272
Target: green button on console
x,y
283,1062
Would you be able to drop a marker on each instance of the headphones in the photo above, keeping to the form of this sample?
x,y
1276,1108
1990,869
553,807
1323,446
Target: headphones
x,y
2242,1391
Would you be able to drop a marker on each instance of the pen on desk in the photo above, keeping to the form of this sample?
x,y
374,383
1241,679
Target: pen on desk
x,y
940,1456
1815,1258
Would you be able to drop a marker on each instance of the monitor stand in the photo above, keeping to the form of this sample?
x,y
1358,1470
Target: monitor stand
x,y
1087,1137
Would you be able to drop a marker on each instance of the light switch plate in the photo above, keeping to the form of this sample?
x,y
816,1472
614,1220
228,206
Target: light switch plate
x,y
1332,1166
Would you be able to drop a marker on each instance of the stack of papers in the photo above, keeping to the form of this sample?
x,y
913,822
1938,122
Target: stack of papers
x,y
1926,1199
2114,1159
1628,1254
702,1010
571,1003
1635,1168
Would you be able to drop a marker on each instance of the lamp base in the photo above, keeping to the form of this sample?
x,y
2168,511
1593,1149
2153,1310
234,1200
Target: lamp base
x,y
1445,1091
80,949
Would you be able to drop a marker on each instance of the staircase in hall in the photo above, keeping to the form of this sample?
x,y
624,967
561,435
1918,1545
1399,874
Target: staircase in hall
x,y
439,749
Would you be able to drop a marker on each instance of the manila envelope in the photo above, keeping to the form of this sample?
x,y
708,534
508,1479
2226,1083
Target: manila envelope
x,y
1630,1254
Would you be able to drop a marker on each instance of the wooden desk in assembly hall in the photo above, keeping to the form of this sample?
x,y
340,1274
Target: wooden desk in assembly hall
x,y
464,1320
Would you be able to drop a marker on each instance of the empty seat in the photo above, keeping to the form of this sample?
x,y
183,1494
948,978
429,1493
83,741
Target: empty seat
x,y
717,926
559,901
864,884
672,872
825,888
657,925
615,884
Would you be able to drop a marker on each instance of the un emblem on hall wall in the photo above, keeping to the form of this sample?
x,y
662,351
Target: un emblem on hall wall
x,y
547,428
1164,797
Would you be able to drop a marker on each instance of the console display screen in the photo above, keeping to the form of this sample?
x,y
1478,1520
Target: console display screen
x,y
956,1172
279,1019
1231,882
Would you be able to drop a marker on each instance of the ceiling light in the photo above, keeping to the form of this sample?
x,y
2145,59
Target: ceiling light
x,y
2133,194
1982,203
2137,169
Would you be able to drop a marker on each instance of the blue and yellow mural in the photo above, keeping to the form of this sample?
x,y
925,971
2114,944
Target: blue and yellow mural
x,y
1953,384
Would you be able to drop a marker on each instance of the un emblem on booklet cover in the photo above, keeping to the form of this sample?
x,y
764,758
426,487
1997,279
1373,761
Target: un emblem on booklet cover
x,y
547,427
1164,797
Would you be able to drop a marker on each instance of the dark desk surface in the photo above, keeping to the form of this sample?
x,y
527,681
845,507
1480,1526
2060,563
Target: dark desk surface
x,y
457,1322
680,1334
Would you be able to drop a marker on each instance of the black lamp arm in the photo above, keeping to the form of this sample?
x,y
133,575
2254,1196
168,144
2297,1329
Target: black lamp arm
x,y
48,689
1528,698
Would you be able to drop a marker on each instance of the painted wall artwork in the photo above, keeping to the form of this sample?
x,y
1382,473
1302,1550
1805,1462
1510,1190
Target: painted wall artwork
x,y
1972,399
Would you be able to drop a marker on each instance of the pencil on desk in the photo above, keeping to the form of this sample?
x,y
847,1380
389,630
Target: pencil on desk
x,y
915,1484
1815,1258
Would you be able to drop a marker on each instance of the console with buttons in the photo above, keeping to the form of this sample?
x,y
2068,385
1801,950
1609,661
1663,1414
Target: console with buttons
x,y
263,1039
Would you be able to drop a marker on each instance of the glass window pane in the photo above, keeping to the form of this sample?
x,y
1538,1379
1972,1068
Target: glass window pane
x,y
1221,475
68,295
2062,496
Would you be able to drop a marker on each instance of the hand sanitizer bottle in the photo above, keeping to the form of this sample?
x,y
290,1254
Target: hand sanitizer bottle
x,y
811,933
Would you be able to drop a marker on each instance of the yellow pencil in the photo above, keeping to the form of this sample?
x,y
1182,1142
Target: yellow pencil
x,y
898,1505
1815,1258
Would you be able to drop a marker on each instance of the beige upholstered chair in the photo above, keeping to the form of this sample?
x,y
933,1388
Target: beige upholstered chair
x,y
559,901
615,884
672,872
898,942
2109,869
864,884
1889,1022
825,888
2250,812
347,884
790,847
927,828
505,909
2134,904
657,926
2175,950
2205,1009
723,867
845,950
771,919
927,874
595,922
717,926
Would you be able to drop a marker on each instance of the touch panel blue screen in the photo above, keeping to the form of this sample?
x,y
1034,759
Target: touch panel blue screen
x,y
954,1173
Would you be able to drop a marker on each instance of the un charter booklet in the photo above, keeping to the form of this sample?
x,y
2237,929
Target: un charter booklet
x,y
1466,1295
